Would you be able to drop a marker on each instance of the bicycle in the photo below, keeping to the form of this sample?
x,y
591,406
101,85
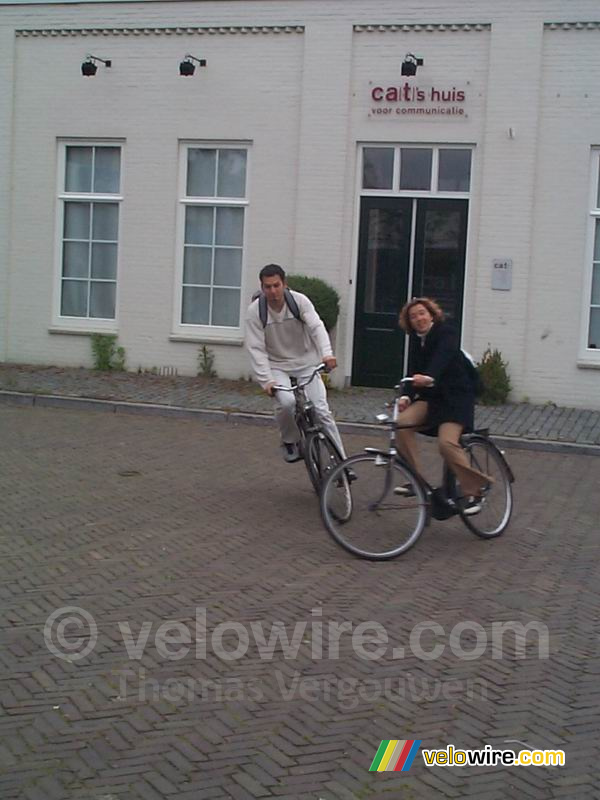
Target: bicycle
x,y
383,524
320,453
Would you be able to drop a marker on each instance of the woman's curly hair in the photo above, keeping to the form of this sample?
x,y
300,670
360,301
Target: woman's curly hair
x,y
431,306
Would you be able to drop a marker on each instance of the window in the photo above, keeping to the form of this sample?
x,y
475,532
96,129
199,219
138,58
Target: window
x,y
214,206
593,331
89,230
378,167
416,169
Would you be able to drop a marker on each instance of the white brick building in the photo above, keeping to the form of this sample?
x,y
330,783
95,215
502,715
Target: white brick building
x,y
143,203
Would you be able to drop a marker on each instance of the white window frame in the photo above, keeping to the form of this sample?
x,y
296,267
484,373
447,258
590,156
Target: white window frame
x,y
189,331
62,323
590,357
433,190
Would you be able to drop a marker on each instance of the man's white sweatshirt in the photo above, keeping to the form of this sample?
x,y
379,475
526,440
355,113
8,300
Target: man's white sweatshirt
x,y
286,342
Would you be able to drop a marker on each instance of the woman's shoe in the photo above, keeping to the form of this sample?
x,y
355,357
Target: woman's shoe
x,y
473,505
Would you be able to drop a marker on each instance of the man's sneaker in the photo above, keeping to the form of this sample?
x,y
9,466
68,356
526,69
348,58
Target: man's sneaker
x,y
472,506
290,452
405,491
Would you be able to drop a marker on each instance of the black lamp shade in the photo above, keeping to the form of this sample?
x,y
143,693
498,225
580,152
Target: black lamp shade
x,y
408,68
186,68
88,68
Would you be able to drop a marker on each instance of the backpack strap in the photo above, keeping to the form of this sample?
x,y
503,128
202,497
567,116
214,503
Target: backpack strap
x,y
263,310
292,304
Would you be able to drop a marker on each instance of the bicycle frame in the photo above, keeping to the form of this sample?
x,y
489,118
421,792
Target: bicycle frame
x,y
441,500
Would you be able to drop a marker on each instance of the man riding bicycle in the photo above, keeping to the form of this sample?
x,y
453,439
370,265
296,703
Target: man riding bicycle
x,y
285,339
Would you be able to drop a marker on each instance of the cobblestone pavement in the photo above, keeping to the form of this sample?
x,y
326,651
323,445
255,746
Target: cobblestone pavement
x,y
139,521
545,423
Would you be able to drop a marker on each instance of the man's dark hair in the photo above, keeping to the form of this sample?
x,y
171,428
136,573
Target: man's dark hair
x,y
270,271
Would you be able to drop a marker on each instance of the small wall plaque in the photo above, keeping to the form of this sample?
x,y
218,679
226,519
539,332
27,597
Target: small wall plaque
x,y
502,274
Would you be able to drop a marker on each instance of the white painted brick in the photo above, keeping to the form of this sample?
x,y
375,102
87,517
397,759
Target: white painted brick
x,y
303,100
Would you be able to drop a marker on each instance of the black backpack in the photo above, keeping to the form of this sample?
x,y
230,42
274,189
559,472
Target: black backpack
x,y
262,305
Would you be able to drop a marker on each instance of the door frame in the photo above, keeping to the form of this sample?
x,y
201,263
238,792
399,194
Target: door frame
x,y
359,193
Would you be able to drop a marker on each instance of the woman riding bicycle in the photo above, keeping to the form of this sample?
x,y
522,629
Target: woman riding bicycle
x,y
441,399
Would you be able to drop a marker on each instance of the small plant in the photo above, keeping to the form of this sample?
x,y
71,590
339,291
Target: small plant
x,y
323,296
206,360
107,356
493,371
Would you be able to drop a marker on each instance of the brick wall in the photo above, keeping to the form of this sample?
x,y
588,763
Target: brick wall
x,y
301,100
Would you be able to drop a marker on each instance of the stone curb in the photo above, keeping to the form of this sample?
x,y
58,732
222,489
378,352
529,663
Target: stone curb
x,y
249,418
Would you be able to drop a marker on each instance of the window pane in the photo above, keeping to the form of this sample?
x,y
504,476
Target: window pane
x,y
230,226
78,172
228,267
454,171
196,306
378,167
597,242
102,300
77,221
201,173
107,168
105,224
197,265
226,307
596,285
232,173
104,261
598,198
199,225
76,259
74,299
594,338
415,168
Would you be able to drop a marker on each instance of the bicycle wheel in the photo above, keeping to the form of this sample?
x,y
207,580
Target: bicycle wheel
x,y
497,502
381,524
321,456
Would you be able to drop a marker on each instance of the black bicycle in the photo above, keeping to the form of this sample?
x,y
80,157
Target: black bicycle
x,y
320,453
391,504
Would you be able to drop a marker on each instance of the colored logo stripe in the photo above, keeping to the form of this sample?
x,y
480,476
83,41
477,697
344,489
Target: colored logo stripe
x,y
395,755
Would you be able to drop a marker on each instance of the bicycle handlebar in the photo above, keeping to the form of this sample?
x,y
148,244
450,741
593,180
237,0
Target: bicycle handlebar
x,y
278,388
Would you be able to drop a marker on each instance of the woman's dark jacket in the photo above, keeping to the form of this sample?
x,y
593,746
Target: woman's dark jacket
x,y
438,354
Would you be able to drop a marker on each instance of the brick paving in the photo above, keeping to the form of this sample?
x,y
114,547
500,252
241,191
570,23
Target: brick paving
x,y
542,423
141,521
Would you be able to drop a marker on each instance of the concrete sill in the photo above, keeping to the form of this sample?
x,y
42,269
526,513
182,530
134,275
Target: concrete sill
x,y
204,339
75,332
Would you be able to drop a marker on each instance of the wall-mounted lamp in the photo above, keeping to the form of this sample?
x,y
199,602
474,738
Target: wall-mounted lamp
x,y
410,64
187,66
89,66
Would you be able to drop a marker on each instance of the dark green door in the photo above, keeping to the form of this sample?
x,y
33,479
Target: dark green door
x,y
440,245
384,280
381,290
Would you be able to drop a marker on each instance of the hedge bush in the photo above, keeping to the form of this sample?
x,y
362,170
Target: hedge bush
x,y
323,296
493,371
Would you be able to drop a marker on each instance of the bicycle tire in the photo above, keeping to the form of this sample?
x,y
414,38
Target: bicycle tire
x,y
321,456
382,525
497,498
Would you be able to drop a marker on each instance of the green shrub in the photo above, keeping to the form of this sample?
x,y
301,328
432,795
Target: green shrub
x,y
493,371
323,296
107,356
